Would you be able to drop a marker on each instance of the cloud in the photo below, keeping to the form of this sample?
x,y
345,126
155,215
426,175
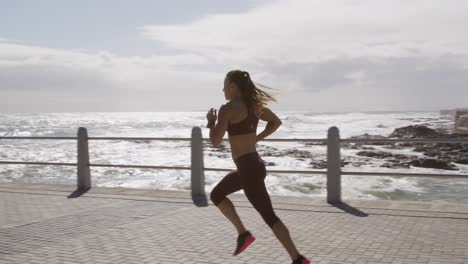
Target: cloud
x,y
406,83
32,68
305,30
320,55
414,52
31,76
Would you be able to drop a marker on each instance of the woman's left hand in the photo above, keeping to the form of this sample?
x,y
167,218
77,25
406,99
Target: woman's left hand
x,y
211,115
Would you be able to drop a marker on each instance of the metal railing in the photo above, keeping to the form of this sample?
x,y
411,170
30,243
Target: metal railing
x,y
197,167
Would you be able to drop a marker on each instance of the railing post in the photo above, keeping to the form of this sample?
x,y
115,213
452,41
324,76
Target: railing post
x,y
333,166
197,168
84,175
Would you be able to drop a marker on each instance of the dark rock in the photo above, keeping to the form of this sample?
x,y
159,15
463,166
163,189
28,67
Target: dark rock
x,y
223,147
368,136
359,146
318,164
403,157
315,143
368,148
416,131
219,155
406,144
268,151
322,164
141,141
461,160
445,151
375,154
433,163
395,165
393,146
358,163
295,153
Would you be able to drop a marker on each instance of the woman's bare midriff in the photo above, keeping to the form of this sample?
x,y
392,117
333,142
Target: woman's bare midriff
x,y
242,144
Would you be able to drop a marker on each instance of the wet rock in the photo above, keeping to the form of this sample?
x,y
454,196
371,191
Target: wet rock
x,y
393,146
358,164
223,147
315,143
139,141
344,162
322,164
369,136
375,154
456,152
400,157
395,165
318,164
268,151
297,153
398,161
407,144
416,131
461,160
433,163
368,148
358,146
219,155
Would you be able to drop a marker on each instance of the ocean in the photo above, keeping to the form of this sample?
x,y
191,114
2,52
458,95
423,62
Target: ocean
x,y
296,124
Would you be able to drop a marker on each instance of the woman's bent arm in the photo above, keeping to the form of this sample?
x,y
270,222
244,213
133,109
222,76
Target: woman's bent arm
x,y
269,129
273,123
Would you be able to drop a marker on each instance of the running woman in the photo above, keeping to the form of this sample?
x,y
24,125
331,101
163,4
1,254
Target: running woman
x,y
239,117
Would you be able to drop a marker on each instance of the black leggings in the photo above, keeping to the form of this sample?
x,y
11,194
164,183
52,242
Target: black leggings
x,y
250,176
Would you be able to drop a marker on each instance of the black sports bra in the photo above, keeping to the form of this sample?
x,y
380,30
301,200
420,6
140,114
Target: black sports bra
x,y
246,126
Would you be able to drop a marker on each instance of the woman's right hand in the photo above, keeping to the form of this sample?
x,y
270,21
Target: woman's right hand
x,y
211,115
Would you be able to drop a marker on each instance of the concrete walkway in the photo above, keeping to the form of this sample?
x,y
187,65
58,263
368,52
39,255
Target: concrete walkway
x,y
39,224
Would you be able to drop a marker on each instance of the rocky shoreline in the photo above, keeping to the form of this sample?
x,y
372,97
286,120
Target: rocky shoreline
x,y
444,156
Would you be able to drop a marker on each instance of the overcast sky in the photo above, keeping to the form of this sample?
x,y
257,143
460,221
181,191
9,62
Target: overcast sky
x,y
321,56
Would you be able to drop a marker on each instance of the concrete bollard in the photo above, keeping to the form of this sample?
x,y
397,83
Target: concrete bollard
x,y
197,168
333,166
84,174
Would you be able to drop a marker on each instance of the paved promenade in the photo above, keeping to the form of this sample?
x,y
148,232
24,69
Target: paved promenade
x,y
40,224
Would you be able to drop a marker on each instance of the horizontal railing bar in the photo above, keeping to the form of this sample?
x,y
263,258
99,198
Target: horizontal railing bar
x,y
404,174
141,166
221,169
412,140
139,138
273,171
38,163
61,138
171,139
316,140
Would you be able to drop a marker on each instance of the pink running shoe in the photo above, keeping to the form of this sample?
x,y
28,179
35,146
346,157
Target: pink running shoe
x,y
243,241
301,260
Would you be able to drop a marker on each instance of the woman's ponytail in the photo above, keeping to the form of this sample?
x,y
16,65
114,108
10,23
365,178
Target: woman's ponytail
x,y
251,94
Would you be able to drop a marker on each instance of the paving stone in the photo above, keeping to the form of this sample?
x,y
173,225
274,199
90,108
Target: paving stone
x,y
39,224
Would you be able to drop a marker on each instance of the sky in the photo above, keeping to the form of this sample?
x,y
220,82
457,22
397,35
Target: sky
x,y
151,55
